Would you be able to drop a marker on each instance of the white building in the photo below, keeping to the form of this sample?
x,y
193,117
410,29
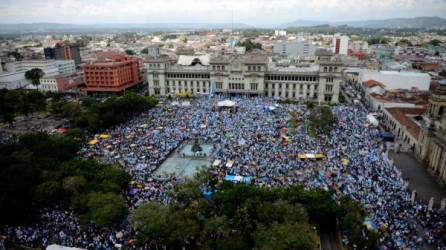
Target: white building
x,y
394,80
280,32
14,76
13,80
251,75
295,48
49,67
340,44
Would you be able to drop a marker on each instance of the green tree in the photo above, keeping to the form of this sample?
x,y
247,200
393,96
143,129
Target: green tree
x,y
249,45
130,52
105,209
145,51
435,42
16,55
286,236
34,75
151,221
48,193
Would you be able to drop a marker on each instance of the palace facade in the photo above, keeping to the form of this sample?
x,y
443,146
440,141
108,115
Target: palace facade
x,y
252,75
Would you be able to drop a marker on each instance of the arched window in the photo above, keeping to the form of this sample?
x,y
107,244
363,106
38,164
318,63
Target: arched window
x,y
196,61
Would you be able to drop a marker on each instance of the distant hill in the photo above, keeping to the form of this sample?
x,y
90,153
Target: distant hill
x,y
303,23
60,27
392,23
399,23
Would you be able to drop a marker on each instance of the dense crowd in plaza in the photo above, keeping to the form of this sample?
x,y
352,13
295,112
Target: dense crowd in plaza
x,y
252,136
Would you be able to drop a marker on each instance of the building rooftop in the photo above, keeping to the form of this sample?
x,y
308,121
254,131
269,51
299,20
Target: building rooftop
x,y
373,83
292,68
190,60
405,116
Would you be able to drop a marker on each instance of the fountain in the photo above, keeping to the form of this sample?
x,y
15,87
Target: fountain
x,y
196,147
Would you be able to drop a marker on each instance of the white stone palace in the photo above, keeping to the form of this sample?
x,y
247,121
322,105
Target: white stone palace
x,y
252,75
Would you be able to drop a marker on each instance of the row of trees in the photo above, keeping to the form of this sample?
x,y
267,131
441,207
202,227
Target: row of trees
x,y
241,216
95,115
20,102
41,171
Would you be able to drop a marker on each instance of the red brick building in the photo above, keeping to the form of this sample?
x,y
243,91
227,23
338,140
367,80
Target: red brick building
x,y
112,73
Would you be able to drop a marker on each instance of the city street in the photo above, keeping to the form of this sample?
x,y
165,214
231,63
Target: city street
x,y
419,178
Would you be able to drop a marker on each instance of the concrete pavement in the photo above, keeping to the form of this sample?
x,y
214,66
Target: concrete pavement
x,y
419,177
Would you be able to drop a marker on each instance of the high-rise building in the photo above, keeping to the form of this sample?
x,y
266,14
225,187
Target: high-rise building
x,y
64,52
112,73
340,44
300,49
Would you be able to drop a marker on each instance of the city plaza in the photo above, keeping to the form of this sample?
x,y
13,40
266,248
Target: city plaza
x,y
252,142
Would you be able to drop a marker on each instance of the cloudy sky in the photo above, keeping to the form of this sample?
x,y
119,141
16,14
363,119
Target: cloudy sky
x,y
212,11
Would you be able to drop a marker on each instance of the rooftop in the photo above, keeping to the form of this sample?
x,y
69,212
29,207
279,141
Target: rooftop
x,y
405,117
373,83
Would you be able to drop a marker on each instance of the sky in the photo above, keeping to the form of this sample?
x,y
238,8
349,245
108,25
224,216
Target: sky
x,y
252,12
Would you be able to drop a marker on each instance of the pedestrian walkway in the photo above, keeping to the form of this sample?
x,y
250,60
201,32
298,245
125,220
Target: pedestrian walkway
x,y
419,178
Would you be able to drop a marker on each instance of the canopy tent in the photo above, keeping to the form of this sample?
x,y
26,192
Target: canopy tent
x,y
104,136
59,247
238,178
93,142
372,120
216,163
310,156
387,136
61,130
226,103
229,164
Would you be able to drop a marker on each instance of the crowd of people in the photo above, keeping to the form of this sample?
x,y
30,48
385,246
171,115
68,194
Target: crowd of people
x,y
257,139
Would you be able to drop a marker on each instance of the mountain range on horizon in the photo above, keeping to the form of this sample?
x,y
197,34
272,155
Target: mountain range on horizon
x,y
391,23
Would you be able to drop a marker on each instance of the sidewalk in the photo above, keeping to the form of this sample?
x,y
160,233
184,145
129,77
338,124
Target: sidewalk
x,y
419,178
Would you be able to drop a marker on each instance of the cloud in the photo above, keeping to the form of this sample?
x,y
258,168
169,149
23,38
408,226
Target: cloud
x,y
212,11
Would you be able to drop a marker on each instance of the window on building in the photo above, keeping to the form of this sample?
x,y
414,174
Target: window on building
x,y
254,86
328,88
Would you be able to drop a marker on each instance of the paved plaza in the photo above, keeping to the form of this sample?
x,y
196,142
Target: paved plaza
x,y
184,164
419,178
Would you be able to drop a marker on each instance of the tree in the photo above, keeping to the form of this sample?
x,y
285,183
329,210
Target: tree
x,y
404,42
435,42
16,55
286,236
105,209
130,52
48,193
378,40
249,45
34,75
151,221
145,51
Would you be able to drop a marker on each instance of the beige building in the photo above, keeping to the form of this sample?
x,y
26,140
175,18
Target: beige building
x,y
432,146
253,75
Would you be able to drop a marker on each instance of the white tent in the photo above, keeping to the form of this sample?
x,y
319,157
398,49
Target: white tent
x,y
226,103
372,120
59,247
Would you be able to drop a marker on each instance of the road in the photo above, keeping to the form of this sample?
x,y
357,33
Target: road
x,y
419,178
